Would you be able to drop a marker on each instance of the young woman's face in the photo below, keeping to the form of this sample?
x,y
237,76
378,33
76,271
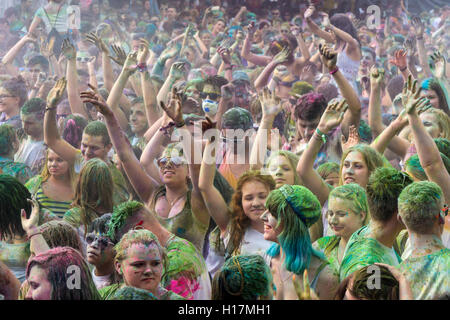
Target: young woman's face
x,y
281,171
99,251
271,231
432,96
142,268
40,287
173,170
56,165
254,194
8,101
342,219
332,179
355,169
206,38
431,125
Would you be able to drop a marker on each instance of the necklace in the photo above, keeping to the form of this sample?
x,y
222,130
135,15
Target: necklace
x,y
171,203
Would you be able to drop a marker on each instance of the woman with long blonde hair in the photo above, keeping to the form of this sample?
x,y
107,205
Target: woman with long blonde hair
x,y
54,188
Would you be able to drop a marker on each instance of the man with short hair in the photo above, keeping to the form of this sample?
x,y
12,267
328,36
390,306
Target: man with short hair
x,y
95,143
32,150
375,242
421,208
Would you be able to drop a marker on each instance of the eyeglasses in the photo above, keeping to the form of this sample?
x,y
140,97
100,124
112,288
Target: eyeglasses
x,y
59,116
102,241
83,59
212,95
284,31
5,96
34,70
175,161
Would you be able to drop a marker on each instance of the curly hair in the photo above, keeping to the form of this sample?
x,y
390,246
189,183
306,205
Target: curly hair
x,y
239,221
419,206
17,87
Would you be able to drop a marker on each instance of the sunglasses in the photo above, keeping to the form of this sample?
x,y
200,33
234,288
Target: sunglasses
x,y
102,241
284,31
34,70
63,116
212,95
83,59
175,161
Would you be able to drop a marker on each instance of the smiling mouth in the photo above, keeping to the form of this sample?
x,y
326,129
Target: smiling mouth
x,y
349,179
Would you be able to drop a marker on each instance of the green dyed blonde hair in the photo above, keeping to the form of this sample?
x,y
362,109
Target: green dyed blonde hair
x,y
356,194
419,205
140,236
293,161
119,218
7,137
94,190
327,168
372,158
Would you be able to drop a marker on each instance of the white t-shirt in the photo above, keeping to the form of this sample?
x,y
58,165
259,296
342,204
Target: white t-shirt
x,y
32,153
101,281
253,243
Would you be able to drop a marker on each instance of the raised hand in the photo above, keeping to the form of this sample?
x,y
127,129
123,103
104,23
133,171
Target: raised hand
x,y
282,56
174,108
56,93
224,54
97,41
68,50
32,222
208,124
251,29
419,28
120,57
376,76
270,103
177,70
227,91
169,53
353,138
399,59
304,292
143,51
410,93
47,48
309,12
328,56
410,45
333,116
97,100
437,65
130,64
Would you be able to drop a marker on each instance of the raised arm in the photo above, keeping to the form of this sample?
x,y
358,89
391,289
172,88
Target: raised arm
x,y
191,149
270,106
375,118
329,59
9,57
332,117
245,52
51,134
428,153
176,72
31,228
314,28
388,137
263,78
76,105
216,205
419,29
141,182
128,69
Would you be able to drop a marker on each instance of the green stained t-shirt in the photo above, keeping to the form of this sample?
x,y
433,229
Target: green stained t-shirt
x,y
108,293
429,275
329,246
362,251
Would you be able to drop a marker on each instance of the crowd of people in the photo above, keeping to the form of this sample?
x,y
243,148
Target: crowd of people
x,y
224,150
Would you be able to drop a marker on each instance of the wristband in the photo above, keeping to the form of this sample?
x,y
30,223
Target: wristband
x,y
334,71
33,234
48,109
322,135
142,67
181,124
401,70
